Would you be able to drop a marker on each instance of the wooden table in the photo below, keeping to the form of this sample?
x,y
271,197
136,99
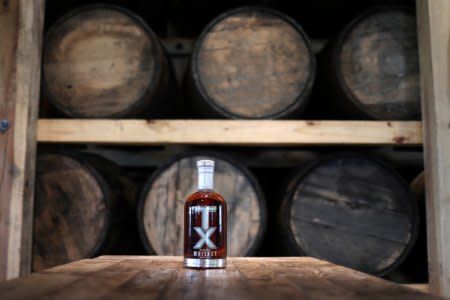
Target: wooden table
x,y
150,277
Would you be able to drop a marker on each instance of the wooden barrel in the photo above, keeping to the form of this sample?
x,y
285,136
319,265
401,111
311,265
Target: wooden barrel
x,y
160,211
416,264
418,186
372,67
251,63
350,210
82,208
102,61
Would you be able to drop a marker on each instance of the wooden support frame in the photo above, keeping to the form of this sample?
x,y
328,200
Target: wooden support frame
x,y
433,23
163,277
230,132
21,25
20,55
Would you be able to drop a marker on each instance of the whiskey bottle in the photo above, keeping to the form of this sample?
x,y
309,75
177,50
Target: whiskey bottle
x,y
205,223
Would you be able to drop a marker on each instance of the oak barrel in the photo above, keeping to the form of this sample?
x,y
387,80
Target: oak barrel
x,y
372,66
416,264
160,211
103,61
252,63
350,210
418,186
83,207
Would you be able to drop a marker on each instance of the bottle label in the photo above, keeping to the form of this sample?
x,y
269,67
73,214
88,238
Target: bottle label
x,y
205,233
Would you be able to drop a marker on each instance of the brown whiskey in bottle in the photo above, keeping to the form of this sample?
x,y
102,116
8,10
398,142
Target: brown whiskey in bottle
x,y
205,223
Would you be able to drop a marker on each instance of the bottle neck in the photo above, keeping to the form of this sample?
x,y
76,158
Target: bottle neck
x,y
205,180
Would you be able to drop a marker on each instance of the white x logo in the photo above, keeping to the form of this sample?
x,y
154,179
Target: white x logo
x,y
205,231
204,237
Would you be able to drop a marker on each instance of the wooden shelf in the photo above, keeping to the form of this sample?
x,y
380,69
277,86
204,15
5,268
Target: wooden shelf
x,y
424,287
163,277
230,132
21,25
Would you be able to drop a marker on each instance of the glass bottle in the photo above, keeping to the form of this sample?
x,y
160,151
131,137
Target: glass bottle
x,y
205,223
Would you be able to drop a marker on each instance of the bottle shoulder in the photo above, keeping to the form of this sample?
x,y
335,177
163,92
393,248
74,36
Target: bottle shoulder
x,y
205,197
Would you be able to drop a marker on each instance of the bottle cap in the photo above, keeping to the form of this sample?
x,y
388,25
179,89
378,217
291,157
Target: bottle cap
x,y
205,163
205,174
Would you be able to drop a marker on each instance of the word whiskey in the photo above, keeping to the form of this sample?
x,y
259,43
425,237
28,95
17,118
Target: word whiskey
x,y
205,223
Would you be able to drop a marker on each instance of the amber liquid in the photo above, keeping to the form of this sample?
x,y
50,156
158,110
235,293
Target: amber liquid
x,y
214,244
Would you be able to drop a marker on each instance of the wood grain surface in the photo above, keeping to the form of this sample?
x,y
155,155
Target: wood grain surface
x,y
352,211
102,61
70,213
129,277
21,26
84,206
163,198
433,18
416,264
418,186
378,64
253,63
122,197
230,132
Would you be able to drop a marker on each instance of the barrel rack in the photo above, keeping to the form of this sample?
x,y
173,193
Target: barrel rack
x,y
21,23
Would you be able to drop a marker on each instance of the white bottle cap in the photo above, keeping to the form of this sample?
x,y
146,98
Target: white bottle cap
x,y
205,169
205,163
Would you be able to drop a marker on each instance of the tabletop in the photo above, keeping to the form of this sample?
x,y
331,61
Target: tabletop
x,y
162,277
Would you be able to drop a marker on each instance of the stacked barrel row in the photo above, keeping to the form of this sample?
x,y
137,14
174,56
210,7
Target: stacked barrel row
x,y
349,209
248,63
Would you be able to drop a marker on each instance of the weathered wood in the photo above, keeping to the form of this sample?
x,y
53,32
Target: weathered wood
x,y
104,61
352,211
21,23
229,132
119,183
70,211
122,236
80,209
416,263
418,186
252,63
419,286
161,208
244,278
373,69
434,49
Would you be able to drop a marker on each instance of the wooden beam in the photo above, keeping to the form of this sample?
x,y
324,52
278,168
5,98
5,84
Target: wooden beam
x,y
229,132
21,24
163,277
423,287
433,21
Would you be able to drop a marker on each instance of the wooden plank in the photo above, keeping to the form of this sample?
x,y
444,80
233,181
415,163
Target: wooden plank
x,y
424,287
229,132
21,24
39,285
150,277
434,50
